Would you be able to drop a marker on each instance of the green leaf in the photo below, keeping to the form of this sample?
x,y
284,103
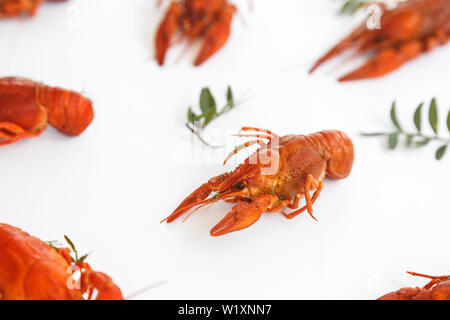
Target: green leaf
x,y
230,97
207,102
351,6
192,117
433,115
441,152
83,257
393,141
394,116
374,134
209,116
418,117
70,243
448,121
422,143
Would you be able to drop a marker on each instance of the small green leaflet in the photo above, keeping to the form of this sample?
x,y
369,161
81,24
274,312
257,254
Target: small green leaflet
x,y
351,6
448,121
207,102
433,115
416,139
56,245
441,152
418,117
394,116
74,250
393,140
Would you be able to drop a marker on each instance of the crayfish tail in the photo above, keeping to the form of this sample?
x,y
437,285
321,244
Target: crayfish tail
x,y
68,111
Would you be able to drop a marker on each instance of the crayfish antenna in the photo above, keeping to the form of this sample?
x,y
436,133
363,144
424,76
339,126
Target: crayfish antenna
x,y
385,62
342,46
360,39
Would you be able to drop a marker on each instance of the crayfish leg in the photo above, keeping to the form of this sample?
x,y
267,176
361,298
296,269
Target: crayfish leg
x,y
309,201
262,143
10,133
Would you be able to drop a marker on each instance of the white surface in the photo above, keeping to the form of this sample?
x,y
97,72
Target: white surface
x,y
109,188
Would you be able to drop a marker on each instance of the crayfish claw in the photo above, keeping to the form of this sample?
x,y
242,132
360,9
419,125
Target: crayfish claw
x,y
166,31
217,35
198,197
101,282
243,215
380,65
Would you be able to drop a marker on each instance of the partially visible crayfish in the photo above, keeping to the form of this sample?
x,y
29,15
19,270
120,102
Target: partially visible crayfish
x,y
31,269
193,19
437,289
278,175
26,107
16,8
406,32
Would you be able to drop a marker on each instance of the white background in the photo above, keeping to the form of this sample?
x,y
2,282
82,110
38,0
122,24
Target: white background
x,y
109,188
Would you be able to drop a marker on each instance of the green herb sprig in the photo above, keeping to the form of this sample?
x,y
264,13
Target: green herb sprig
x,y
209,108
418,138
73,254
351,6
197,122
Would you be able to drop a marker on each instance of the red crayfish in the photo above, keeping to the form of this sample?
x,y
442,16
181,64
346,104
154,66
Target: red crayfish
x,y
207,19
27,106
406,32
15,8
297,165
31,269
437,289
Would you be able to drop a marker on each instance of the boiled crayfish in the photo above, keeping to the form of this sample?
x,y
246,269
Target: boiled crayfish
x,y
31,269
411,29
27,106
15,8
207,19
278,175
437,289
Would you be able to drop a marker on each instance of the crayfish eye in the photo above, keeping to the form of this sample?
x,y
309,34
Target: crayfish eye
x,y
240,186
